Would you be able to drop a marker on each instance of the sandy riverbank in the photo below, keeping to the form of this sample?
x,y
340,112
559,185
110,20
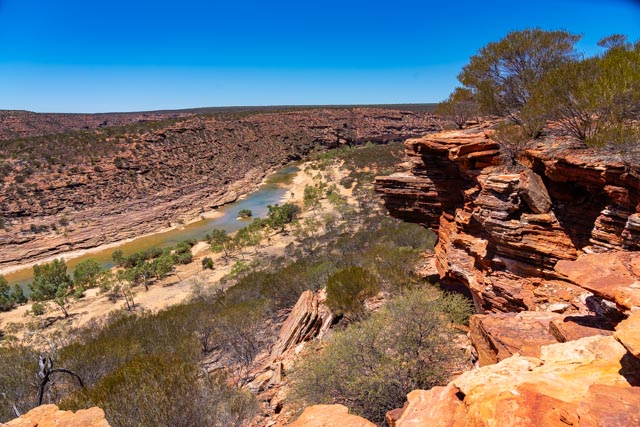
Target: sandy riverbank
x,y
180,286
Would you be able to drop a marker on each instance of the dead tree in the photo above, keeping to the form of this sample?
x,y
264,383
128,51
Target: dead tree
x,y
46,370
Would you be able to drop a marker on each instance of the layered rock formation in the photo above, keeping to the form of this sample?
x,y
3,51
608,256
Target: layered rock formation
x,y
77,191
547,245
507,231
51,416
25,124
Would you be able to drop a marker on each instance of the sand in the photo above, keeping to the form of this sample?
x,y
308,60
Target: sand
x,y
180,286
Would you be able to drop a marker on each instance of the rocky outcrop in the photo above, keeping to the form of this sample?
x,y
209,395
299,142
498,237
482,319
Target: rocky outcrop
x,y
329,416
628,333
507,231
51,416
75,191
548,247
570,384
310,318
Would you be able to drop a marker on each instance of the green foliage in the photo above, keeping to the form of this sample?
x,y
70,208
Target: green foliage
x,y
459,108
594,95
161,390
371,366
38,308
279,216
207,262
503,74
18,295
220,241
118,257
348,288
312,196
87,273
6,300
51,282
19,367
245,213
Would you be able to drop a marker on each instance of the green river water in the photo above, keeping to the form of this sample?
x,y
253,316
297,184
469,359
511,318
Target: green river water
x,y
270,192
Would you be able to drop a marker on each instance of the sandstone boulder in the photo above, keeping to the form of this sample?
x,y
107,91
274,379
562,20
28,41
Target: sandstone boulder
x,y
533,191
628,333
499,336
51,416
442,405
614,276
308,319
607,405
329,416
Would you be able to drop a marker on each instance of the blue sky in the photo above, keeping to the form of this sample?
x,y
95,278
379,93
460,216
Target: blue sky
x,y
131,55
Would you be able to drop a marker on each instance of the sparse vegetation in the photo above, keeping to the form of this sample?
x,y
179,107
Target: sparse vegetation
x,y
371,366
535,76
146,368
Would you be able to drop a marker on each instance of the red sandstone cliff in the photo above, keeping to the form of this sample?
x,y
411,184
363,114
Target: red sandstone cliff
x,y
548,247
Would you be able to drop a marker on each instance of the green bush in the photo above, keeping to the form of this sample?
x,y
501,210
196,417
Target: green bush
x,y
372,365
348,288
87,273
19,368
161,390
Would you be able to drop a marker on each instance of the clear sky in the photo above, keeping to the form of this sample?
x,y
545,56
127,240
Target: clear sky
x,y
133,55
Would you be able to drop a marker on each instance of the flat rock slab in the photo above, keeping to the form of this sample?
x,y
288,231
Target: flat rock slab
x,y
614,276
499,336
570,328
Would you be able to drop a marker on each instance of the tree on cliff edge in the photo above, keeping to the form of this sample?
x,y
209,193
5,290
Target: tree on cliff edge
x,y
503,74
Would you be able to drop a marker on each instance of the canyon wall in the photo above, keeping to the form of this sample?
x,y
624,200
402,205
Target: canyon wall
x,y
84,189
548,247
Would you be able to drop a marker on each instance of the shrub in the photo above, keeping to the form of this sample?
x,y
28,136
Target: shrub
x,y
87,272
161,390
348,288
245,213
459,108
19,367
207,262
503,74
372,365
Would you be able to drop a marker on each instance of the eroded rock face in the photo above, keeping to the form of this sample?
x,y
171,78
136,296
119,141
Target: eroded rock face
x,y
329,416
548,248
310,318
51,416
138,184
509,231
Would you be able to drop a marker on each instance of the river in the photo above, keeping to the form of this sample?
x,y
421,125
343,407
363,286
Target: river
x,y
272,191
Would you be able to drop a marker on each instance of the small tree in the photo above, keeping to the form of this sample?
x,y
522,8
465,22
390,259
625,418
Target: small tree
x,y
220,241
459,108
87,273
311,198
280,216
503,74
51,282
245,213
6,299
348,288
